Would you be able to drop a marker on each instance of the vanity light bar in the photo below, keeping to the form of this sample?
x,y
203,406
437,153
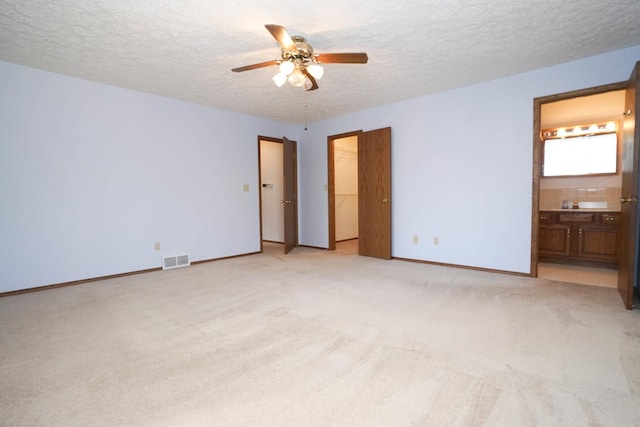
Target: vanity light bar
x,y
580,130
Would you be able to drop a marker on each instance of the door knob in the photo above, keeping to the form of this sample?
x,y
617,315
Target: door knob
x,y
385,200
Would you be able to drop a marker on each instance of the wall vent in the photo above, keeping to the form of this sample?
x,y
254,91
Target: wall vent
x,y
176,261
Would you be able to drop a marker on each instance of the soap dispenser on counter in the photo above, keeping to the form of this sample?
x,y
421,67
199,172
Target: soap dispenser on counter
x,y
565,204
576,205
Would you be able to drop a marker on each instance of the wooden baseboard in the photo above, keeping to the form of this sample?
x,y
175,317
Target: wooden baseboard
x,y
76,282
312,247
111,276
465,267
223,258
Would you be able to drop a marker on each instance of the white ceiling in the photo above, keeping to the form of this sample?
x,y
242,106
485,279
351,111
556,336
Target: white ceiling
x,y
186,49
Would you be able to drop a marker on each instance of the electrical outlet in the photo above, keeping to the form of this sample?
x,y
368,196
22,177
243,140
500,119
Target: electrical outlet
x,y
415,239
156,246
436,240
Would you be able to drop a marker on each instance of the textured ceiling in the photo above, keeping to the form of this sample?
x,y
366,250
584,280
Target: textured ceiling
x,y
185,49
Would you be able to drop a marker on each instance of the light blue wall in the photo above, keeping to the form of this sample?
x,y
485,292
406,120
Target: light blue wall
x,y
91,176
462,164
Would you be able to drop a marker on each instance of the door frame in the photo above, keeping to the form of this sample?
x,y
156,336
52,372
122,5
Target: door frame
x,y
537,155
280,141
270,139
290,193
331,183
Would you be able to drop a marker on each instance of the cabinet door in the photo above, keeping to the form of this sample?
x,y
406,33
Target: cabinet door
x,y
598,243
554,240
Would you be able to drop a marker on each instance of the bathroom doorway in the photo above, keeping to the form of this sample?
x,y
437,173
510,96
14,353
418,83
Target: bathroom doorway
x,y
594,105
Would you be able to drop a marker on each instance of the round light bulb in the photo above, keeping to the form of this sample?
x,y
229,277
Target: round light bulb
x,y
296,78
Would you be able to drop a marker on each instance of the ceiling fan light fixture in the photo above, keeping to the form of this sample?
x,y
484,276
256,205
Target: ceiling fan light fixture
x,y
298,65
286,67
316,71
296,78
279,79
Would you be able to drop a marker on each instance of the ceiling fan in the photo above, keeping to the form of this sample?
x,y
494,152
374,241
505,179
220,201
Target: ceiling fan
x,y
299,65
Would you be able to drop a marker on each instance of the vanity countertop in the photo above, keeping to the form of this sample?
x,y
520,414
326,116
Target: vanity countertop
x,y
581,210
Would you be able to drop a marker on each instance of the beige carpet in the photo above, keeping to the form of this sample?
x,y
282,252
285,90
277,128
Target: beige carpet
x,y
319,338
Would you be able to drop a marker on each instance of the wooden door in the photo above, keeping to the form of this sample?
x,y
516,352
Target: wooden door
x,y
374,193
290,194
627,274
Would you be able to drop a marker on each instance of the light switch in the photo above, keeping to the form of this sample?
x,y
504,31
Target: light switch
x,y
246,187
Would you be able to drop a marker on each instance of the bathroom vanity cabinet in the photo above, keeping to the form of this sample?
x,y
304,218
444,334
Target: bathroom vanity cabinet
x,y
579,237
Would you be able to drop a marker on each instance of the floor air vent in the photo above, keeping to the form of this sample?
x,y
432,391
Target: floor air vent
x,y
176,261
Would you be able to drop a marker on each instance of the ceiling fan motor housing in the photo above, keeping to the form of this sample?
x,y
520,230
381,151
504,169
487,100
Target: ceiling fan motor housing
x,y
304,50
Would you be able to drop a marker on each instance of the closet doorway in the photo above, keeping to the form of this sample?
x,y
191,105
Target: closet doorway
x,y
343,189
371,195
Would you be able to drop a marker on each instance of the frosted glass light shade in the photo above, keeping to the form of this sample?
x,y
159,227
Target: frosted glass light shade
x,y
286,67
279,79
316,71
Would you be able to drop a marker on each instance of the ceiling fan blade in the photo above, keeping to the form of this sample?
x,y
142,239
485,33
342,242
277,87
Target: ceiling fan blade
x,y
280,34
342,58
314,83
254,66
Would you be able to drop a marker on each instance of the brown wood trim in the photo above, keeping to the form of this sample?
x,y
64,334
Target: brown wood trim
x,y
270,139
111,276
313,247
537,155
204,261
535,187
76,282
347,240
331,192
464,267
584,92
331,185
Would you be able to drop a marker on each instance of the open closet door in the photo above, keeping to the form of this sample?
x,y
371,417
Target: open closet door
x,y
290,194
628,262
374,193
